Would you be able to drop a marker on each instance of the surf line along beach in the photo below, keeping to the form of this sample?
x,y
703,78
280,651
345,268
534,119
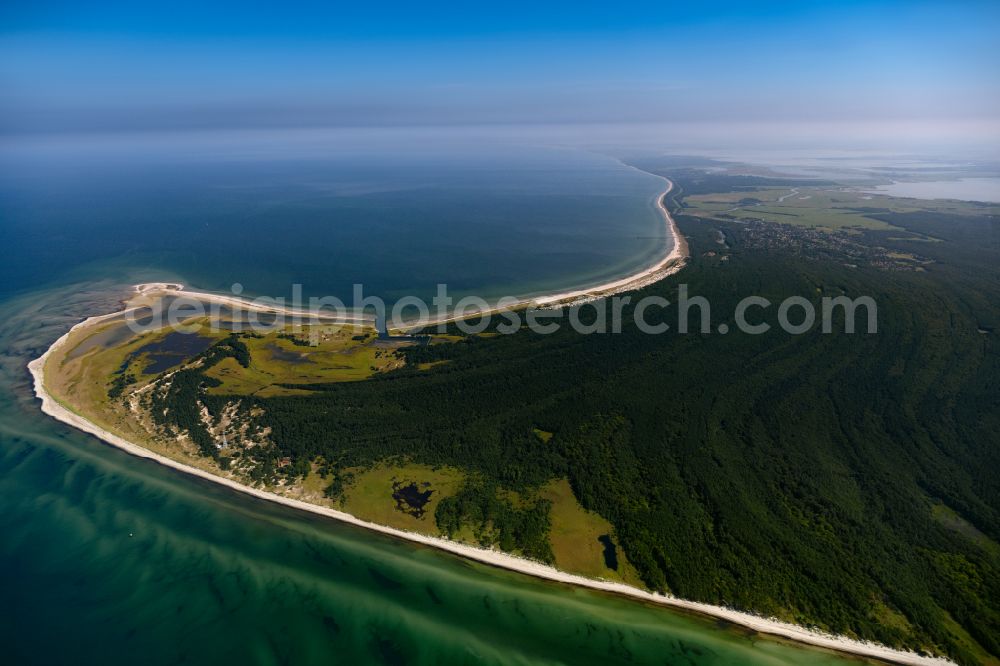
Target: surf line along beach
x,y
666,266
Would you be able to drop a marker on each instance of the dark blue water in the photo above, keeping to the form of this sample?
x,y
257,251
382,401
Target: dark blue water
x,y
486,219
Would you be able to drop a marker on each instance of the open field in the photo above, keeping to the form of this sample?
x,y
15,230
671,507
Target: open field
x,y
97,355
820,207
369,495
575,537
279,359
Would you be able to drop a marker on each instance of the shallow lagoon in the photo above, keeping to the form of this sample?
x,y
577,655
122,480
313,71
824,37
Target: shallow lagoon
x,y
171,350
963,189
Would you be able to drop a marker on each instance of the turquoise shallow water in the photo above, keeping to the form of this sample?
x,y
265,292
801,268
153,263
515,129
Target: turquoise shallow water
x,y
106,558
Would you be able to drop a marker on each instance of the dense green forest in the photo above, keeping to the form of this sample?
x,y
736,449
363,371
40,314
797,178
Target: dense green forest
x,y
846,481
495,520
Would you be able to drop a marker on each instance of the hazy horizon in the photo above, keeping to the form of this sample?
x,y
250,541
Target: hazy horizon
x,y
896,74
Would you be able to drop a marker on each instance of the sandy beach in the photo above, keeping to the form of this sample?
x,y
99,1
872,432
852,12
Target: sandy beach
x,y
668,265
158,289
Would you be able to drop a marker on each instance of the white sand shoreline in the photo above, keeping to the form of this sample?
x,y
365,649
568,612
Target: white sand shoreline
x,y
495,558
668,265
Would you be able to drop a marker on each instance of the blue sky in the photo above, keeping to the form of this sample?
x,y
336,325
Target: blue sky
x,y
79,66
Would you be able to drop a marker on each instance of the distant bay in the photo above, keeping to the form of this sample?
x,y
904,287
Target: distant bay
x,y
485,218
963,189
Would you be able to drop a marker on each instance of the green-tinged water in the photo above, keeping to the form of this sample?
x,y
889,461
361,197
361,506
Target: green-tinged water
x,y
106,558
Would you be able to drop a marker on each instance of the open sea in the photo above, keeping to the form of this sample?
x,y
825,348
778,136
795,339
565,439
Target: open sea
x,y
496,220
105,558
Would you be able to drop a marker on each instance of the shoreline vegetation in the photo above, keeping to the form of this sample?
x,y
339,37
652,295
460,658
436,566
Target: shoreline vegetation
x,y
667,266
